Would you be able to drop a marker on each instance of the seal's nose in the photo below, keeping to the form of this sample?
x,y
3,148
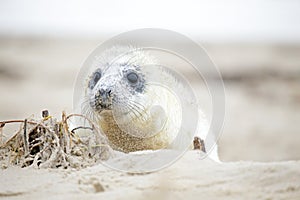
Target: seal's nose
x,y
105,97
105,93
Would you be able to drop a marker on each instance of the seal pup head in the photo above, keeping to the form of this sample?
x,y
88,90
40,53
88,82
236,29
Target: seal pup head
x,y
114,86
118,83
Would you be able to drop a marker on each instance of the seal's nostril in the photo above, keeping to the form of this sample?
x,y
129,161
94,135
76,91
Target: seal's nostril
x,y
101,91
104,92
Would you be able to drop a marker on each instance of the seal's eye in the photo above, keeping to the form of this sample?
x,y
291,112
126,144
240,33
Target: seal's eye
x,y
132,77
97,76
94,79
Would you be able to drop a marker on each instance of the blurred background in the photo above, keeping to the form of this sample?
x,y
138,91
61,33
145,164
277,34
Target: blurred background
x,y
255,44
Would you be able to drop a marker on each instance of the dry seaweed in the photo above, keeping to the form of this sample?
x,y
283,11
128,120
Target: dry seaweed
x,y
49,143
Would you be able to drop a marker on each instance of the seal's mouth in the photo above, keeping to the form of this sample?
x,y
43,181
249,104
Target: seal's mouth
x,y
102,106
105,107
99,105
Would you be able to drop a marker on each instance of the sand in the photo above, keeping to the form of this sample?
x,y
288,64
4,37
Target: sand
x,y
261,128
189,178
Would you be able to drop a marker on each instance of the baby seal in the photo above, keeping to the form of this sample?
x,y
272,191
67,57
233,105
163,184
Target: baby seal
x,y
133,113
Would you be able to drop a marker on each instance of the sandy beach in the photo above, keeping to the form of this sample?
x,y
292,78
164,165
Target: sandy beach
x,y
259,146
189,178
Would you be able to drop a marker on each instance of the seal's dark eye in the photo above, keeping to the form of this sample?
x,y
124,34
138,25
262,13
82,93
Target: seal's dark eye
x,y
94,79
132,77
97,76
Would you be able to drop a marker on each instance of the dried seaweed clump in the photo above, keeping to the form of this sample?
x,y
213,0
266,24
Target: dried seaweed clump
x,y
49,143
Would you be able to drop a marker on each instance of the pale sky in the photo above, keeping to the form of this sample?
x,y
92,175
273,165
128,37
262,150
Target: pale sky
x,y
230,20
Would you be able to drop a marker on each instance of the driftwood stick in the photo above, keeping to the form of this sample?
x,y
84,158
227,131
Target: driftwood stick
x,y
67,134
15,121
1,133
81,127
25,138
2,123
79,115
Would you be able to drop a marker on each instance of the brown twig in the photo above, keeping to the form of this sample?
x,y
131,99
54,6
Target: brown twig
x,y
79,115
25,138
1,133
81,127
